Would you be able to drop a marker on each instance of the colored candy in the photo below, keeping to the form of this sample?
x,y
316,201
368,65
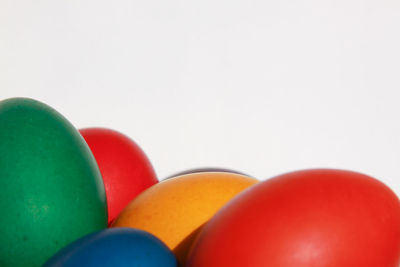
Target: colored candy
x,y
116,247
125,169
51,188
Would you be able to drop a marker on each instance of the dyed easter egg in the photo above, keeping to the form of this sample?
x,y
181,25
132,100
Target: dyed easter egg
x,y
174,210
125,169
51,188
319,218
115,247
206,169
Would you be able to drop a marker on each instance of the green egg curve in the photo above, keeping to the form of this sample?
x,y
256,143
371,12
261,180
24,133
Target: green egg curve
x,y
51,190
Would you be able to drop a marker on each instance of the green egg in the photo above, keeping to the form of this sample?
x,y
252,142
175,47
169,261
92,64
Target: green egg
x,y
51,190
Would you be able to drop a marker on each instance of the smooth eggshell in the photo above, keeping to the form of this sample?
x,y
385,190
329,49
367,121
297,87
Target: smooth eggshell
x,y
312,218
116,247
175,209
51,188
125,169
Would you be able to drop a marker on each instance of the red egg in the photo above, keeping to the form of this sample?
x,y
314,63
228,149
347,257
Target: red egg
x,y
125,168
312,218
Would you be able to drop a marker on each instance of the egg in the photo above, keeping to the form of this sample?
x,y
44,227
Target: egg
x,y
125,168
319,218
51,187
205,169
174,210
117,247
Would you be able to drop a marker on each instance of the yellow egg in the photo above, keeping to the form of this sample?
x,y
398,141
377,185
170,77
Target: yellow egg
x,y
175,209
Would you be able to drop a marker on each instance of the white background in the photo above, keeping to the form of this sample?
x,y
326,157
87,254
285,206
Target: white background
x,y
262,87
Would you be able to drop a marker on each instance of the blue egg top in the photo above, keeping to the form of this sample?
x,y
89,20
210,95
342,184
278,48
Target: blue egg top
x,y
115,247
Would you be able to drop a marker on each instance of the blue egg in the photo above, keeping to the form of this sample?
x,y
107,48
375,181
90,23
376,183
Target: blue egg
x,y
115,247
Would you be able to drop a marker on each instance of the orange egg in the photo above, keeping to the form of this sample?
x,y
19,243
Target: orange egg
x,y
175,209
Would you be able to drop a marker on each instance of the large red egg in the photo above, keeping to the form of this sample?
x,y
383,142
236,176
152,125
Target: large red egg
x,y
312,218
125,168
